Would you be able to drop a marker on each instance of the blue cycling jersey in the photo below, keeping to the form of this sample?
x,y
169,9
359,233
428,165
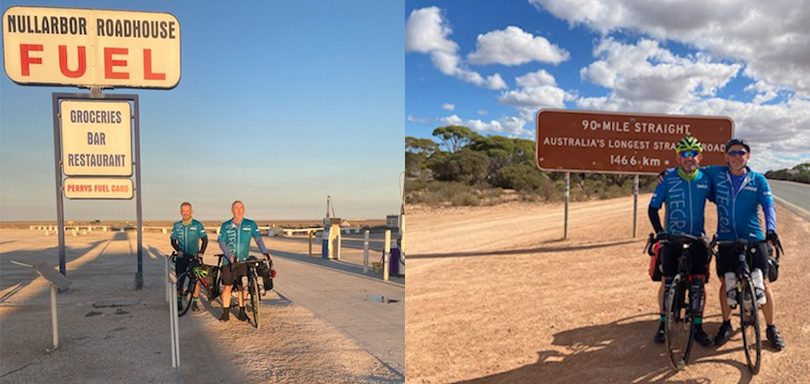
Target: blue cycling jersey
x,y
685,201
737,208
188,236
234,240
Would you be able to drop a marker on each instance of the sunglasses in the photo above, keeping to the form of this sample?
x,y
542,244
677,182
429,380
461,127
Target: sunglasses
x,y
687,154
737,153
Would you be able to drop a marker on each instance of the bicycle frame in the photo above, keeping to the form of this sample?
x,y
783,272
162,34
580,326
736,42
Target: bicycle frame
x,y
749,317
679,311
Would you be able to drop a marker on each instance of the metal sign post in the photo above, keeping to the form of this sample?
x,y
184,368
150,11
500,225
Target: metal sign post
x,y
115,177
635,204
567,194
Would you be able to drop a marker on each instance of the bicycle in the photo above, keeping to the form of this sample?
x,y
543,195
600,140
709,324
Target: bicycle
x,y
679,307
254,283
747,301
194,273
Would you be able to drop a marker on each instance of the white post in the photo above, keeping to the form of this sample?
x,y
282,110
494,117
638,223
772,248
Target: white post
x,y
402,240
166,281
365,252
173,326
55,330
386,254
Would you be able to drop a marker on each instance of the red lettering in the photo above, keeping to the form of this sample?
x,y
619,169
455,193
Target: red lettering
x,y
63,64
147,67
109,63
25,60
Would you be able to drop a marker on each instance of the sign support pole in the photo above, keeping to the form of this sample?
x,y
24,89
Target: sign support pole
x,y
60,210
567,194
138,204
635,204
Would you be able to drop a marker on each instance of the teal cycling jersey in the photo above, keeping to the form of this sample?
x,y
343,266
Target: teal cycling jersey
x,y
234,240
737,210
188,236
685,201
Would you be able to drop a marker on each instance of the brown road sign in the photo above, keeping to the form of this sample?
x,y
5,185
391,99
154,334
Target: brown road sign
x,y
607,142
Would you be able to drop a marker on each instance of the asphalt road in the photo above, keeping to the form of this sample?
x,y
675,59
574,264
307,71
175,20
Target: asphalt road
x,y
796,195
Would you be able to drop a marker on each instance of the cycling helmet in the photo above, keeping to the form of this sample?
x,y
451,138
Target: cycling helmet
x,y
689,143
734,142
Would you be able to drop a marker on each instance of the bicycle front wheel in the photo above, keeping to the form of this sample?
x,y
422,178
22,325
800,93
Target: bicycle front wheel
x,y
254,301
185,292
678,322
749,324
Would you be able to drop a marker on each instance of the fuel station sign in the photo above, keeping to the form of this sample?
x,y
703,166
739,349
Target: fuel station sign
x,y
96,137
89,47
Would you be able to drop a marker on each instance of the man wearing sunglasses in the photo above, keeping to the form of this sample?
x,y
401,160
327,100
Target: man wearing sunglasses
x,y
684,190
739,192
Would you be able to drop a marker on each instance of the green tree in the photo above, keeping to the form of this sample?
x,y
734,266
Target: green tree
x,y
466,166
455,137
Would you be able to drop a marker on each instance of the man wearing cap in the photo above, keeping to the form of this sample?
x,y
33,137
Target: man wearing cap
x,y
684,190
739,192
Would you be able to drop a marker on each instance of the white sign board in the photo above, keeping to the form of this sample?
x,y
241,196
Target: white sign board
x,y
96,137
91,47
98,188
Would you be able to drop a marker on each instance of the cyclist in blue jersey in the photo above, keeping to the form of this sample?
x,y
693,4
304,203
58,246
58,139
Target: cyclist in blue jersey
x,y
684,190
234,240
739,192
185,238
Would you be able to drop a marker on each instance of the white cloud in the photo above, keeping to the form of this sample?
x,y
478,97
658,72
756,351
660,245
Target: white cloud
x,y
646,77
448,106
537,90
507,126
482,112
771,37
427,32
513,46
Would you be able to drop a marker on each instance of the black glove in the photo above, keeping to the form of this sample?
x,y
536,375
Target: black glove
x,y
774,239
661,236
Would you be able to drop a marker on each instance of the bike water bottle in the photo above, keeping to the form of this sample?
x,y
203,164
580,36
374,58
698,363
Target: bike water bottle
x,y
244,282
731,289
759,286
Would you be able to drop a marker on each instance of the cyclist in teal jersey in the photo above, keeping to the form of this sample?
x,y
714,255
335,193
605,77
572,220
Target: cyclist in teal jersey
x,y
684,190
739,194
234,240
185,238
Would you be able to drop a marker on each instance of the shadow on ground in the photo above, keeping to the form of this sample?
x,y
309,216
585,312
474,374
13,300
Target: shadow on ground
x,y
619,352
524,251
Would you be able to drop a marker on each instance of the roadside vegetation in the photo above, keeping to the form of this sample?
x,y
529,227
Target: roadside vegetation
x,y
799,173
462,168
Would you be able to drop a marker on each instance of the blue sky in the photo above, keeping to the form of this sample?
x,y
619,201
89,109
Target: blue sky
x,y
280,104
748,60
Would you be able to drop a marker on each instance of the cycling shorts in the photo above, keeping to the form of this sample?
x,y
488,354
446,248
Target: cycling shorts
x,y
181,264
698,254
727,258
229,276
